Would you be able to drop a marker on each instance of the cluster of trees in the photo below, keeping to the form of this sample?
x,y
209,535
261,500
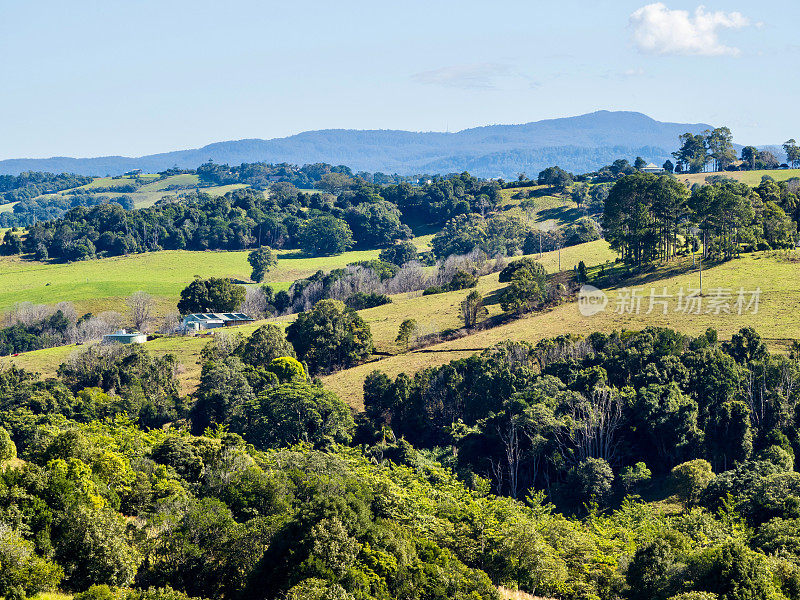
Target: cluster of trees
x,y
22,336
732,217
712,149
642,216
697,151
588,420
31,326
357,281
215,294
241,219
619,168
14,188
28,211
649,217
264,485
792,151
314,176
355,214
365,284
555,177
715,148
440,199
507,235
327,337
330,336
527,286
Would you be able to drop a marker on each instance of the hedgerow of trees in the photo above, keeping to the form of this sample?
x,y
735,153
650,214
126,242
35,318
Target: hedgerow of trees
x,y
649,217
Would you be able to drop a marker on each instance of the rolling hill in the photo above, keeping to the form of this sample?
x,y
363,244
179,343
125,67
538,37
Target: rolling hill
x,y
579,144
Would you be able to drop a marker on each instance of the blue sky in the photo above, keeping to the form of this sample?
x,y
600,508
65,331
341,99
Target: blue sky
x,y
84,78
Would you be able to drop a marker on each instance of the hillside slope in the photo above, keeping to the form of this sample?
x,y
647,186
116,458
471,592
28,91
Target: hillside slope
x,y
580,143
776,316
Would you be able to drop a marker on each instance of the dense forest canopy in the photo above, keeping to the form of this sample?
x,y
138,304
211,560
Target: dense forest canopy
x,y
32,184
279,492
281,218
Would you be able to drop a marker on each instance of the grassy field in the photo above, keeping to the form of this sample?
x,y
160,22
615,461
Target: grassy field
x,y
775,273
149,193
549,212
439,312
777,319
52,596
184,179
751,178
423,242
7,207
97,285
112,182
434,313
146,199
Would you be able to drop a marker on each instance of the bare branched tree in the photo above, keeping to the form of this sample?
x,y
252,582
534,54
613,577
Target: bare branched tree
x,y
141,305
509,434
112,318
409,278
171,322
591,426
255,303
28,313
94,327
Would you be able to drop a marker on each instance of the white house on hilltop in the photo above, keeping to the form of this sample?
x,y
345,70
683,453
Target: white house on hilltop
x,y
652,168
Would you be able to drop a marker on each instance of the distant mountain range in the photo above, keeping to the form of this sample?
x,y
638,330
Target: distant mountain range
x,y
578,144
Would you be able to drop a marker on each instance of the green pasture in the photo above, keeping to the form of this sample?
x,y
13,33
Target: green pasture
x,y
103,284
751,178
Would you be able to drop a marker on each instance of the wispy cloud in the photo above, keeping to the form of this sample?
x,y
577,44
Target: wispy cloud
x,y
659,30
474,76
639,72
624,74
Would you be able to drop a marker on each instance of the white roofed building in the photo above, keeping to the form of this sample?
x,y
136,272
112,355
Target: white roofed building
x,y
201,321
652,168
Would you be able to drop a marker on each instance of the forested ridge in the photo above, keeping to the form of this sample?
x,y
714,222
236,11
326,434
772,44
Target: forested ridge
x,y
524,467
365,214
31,184
580,143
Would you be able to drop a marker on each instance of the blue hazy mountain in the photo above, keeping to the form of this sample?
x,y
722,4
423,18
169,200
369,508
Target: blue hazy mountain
x,y
578,144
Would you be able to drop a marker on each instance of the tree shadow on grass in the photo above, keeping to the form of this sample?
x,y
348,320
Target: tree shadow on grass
x,y
296,254
563,215
493,297
618,275
542,192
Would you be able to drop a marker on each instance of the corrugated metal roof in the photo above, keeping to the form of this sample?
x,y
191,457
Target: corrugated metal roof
x,y
220,317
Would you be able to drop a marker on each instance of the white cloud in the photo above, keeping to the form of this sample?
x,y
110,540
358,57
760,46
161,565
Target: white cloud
x,y
659,30
633,72
625,74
